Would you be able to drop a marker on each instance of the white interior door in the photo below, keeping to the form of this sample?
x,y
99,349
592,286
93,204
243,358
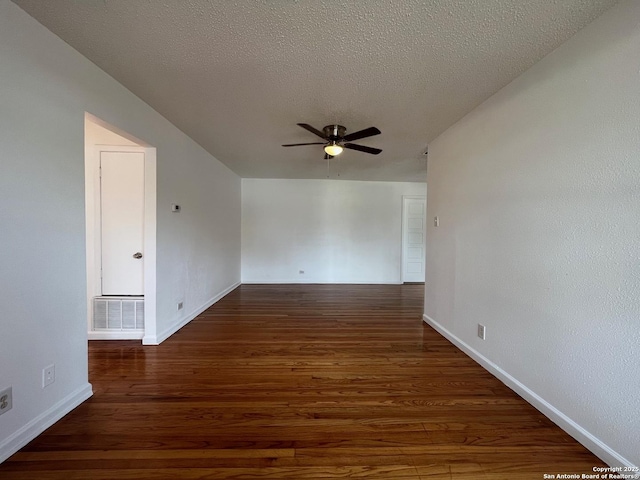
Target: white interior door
x,y
413,238
122,222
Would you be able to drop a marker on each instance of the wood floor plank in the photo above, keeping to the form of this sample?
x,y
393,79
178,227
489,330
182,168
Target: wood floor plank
x,y
299,382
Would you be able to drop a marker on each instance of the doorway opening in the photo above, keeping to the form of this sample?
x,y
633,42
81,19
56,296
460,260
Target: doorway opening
x,y
414,216
120,199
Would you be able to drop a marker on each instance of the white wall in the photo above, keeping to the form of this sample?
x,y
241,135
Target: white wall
x,y
45,89
98,135
336,231
538,194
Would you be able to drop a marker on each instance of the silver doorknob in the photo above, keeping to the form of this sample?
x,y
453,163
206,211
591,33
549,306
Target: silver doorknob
x,y
137,255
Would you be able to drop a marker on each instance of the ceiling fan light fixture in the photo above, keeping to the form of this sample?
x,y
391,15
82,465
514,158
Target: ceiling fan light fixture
x,y
333,149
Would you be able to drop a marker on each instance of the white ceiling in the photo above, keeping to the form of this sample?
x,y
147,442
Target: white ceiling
x,y
237,76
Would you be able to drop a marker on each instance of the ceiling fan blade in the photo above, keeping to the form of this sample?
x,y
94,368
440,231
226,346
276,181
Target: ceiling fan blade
x,y
362,148
298,144
308,127
367,132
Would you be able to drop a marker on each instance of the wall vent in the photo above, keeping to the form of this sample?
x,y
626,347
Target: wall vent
x,y
117,314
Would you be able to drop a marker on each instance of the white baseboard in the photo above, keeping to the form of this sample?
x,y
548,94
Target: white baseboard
x,y
35,427
136,335
315,282
590,441
187,318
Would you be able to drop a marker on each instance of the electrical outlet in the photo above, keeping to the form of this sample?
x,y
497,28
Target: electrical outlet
x,y
482,330
48,375
180,305
436,221
5,400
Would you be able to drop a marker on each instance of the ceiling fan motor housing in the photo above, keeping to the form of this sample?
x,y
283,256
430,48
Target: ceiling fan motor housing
x,y
334,133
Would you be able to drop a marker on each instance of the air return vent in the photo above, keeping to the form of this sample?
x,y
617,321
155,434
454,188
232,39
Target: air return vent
x,y
117,314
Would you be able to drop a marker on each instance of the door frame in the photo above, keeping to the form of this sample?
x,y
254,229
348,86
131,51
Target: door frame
x,y
403,253
93,240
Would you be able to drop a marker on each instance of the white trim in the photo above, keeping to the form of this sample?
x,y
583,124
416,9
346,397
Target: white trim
x,y
314,282
150,228
43,421
590,441
149,340
133,335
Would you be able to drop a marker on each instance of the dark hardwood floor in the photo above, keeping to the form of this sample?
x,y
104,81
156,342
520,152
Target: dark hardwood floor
x,y
299,381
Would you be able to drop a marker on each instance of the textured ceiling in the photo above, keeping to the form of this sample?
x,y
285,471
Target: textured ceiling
x,y
237,76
